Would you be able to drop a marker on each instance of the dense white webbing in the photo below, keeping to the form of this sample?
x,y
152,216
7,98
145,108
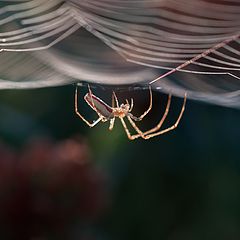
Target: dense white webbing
x,y
176,45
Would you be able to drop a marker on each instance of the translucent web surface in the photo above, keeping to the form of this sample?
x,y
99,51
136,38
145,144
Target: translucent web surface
x,y
174,45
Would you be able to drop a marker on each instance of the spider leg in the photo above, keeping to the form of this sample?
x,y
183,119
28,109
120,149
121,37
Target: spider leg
x,y
89,89
77,112
140,133
131,105
116,99
174,125
147,135
90,92
112,121
159,125
113,101
148,110
130,137
95,109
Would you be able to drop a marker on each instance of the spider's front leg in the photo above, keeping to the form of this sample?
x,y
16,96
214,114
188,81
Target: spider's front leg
x,y
159,125
116,99
154,131
147,111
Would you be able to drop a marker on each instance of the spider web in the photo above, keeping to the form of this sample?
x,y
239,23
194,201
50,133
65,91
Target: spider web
x,y
175,45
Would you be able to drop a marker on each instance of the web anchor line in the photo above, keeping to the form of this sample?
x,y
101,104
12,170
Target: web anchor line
x,y
204,54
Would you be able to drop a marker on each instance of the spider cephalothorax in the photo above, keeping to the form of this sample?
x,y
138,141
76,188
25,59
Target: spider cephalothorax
x,y
107,113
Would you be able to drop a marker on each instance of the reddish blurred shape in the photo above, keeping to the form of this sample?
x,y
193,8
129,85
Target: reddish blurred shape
x,y
48,189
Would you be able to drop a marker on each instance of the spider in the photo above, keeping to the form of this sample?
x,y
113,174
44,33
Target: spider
x,y
109,113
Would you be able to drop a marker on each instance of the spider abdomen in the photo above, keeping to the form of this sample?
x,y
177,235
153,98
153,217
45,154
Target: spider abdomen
x,y
99,106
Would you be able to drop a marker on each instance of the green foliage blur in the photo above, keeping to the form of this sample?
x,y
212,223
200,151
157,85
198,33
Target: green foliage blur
x,y
184,185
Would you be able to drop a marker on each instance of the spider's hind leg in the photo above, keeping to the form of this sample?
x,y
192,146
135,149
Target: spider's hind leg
x,y
154,131
80,115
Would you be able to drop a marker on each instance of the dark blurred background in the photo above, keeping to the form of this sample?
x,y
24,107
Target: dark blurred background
x,y
60,179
